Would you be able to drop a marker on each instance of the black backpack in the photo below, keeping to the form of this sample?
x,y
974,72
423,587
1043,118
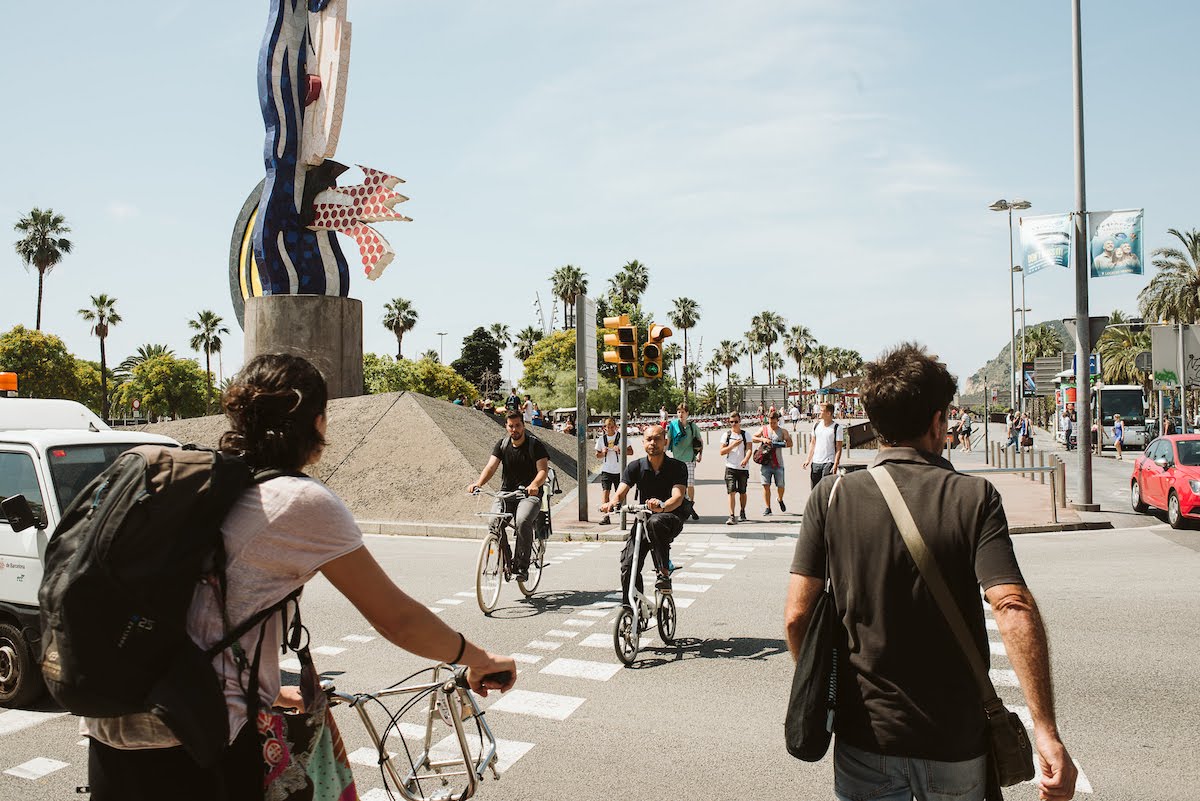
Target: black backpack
x,y
120,573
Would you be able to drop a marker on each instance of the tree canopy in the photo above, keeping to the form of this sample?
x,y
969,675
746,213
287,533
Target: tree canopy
x,y
44,366
426,376
480,354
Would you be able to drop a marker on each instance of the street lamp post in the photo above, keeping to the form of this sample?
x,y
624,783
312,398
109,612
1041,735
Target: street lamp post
x,y
1009,206
1018,269
441,346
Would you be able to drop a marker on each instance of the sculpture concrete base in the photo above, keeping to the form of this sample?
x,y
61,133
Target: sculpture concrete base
x,y
325,330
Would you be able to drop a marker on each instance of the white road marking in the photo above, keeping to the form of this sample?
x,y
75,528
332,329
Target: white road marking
x,y
604,605
566,635
593,612
997,648
538,705
583,624
435,609
527,659
357,638
292,665
590,545
1004,678
36,768
745,548
464,594
1023,713
725,556
448,601
991,624
690,575
328,650
684,603
507,751
690,587
606,641
83,742
365,756
713,565
580,669
16,719
616,595
545,645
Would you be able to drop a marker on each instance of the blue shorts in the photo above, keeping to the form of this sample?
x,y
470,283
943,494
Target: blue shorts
x,y
772,472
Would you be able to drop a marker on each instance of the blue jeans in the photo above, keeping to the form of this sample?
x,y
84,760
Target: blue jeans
x,y
860,775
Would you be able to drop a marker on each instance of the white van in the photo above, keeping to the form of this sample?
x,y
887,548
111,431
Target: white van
x,y
47,467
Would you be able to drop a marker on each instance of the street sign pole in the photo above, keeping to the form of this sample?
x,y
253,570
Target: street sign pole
x,y
585,360
1183,426
624,438
987,456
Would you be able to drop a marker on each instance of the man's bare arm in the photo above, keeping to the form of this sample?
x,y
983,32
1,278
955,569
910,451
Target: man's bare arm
x,y
1028,650
802,596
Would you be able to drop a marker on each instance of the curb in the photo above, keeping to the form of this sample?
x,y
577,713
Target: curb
x,y
1041,528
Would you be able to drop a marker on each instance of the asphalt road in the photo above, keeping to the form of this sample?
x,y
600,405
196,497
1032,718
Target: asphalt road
x,y
702,719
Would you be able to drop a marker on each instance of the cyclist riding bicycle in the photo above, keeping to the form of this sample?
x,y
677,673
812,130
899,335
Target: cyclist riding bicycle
x,y
661,483
526,464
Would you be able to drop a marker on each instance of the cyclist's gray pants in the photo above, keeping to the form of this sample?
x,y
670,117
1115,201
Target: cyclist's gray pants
x,y
527,510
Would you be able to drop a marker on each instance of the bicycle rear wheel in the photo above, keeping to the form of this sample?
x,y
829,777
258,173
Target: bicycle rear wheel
x,y
488,576
666,619
625,636
536,563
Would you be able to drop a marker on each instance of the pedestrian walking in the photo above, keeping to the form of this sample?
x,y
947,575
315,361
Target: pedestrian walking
x,y
608,449
1068,426
910,717
773,438
761,413
967,424
1012,432
662,415
684,443
825,450
513,402
527,411
735,447
795,416
1118,435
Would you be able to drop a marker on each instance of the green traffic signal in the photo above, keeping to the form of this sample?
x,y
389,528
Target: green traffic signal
x,y
627,370
650,369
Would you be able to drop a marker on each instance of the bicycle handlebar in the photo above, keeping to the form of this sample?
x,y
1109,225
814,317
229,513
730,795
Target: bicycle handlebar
x,y
503,495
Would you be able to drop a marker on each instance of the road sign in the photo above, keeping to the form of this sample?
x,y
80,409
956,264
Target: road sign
x,y
1144,361
137,404
1093,364
1164,348
585,322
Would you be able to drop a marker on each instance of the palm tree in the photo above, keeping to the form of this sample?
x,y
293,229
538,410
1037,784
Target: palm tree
x,y
713,367
399,317
503,336
1174,293
1042,340
430,355
144,354
752,346
728,352
637,278
208,327
819,361
102,315
566,283
770,327
1118,347
671,354
771,362
527,337
798,341
42,246
684,315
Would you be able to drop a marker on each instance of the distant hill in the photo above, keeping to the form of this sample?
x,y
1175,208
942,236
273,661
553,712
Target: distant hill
x,y
995,372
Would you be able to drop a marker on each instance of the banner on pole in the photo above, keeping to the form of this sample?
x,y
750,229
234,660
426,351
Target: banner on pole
x,y
1115,242
1045,242
1028,381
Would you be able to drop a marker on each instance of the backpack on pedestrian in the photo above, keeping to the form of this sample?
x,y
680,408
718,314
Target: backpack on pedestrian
x,y
120,572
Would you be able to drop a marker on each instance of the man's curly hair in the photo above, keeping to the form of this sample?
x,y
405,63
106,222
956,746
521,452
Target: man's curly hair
x,y
903,389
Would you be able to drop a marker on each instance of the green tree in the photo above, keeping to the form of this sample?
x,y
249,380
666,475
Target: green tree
x,y
1174,292
567,283
399,317
684,315
44,366
798,341
819,361
208,326
102,315
143,353
166,385
480,354
87,377
671,354
550,355
42,246
629,284
753,345
527,337
770,327
728,352
771,362
710,398
1119,347
431,355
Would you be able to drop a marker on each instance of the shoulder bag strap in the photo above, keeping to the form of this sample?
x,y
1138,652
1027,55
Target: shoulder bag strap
x,y
837,482
933,578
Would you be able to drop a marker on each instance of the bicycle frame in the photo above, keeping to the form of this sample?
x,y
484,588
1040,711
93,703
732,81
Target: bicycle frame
x,y
636,599
443,694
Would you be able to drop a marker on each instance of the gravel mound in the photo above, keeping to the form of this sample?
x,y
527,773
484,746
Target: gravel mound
x,y
403,456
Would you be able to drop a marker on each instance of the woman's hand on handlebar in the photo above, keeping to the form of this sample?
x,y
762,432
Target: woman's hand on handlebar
x,y
473,489
479,676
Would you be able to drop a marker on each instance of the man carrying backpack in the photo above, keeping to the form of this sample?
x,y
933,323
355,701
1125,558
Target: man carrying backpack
x,y
608,448
825,450
735,447
684,444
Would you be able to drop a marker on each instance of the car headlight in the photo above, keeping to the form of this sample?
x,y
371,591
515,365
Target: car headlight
x,y
1195,485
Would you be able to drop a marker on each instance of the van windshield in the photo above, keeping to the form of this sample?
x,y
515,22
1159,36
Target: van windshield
x,y
72,467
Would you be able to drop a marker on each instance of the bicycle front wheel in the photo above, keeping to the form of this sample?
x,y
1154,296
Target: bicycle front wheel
x,y
536,563
625,636
666,619
488,574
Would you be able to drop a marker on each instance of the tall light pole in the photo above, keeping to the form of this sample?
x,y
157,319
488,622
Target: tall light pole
x,y
1009,206
441,346
1018,269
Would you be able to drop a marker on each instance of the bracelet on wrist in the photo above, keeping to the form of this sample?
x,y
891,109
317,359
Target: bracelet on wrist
x,y
462,647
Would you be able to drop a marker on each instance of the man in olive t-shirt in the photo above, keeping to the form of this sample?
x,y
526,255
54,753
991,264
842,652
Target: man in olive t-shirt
x,y
910,715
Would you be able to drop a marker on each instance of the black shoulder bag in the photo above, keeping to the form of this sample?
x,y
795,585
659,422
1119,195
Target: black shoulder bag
x,y
1010,755
808,727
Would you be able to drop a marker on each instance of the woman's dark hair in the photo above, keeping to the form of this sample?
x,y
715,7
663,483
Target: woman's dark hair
x,y
272,405
903,389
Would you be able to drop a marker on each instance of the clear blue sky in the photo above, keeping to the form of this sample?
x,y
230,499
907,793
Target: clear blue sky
x,y
832,161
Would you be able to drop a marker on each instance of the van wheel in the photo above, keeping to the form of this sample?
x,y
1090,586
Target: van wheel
x,y
20,679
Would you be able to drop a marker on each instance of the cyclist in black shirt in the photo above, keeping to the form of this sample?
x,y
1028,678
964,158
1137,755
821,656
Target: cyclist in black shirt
x,y
526,464
661,483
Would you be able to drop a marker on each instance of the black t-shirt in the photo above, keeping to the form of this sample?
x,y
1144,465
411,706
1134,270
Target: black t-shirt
x,y
650,484
520,464
512,402
911,690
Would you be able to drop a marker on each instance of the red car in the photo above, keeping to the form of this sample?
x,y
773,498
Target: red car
x,y
1167,476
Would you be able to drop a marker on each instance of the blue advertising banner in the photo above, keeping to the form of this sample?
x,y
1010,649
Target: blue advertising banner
x,y
1115,242
1045,242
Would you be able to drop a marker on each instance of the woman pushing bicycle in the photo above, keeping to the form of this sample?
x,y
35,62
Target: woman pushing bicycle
x,y
278,535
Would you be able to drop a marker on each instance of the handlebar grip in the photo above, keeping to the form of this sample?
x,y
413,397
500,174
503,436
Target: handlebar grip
x,y
502,677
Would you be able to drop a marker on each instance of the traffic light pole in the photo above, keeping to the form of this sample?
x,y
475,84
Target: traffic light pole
x,y
624,439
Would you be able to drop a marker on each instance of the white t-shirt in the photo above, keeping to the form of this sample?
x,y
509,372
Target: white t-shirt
x,y
795,413
826,437
528,412
278,534
612,460
738,453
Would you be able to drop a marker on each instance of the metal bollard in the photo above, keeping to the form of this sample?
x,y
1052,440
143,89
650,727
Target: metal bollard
x,y
1022,455
1041,463
1006,450
1061,476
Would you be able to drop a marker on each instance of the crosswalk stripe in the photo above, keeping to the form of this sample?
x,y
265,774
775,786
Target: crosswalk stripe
x,y
435,609
449,601
359,638
606,641
538,705
594,612
684,603
527,659
327,650
545,645
997,648
583,624
713,565
581,669
734,556
1004,678
690,587
36,768
690,575
465,594
566,635
14,720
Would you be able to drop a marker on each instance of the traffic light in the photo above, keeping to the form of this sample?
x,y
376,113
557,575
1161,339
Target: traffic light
x,y
624,344
652,351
